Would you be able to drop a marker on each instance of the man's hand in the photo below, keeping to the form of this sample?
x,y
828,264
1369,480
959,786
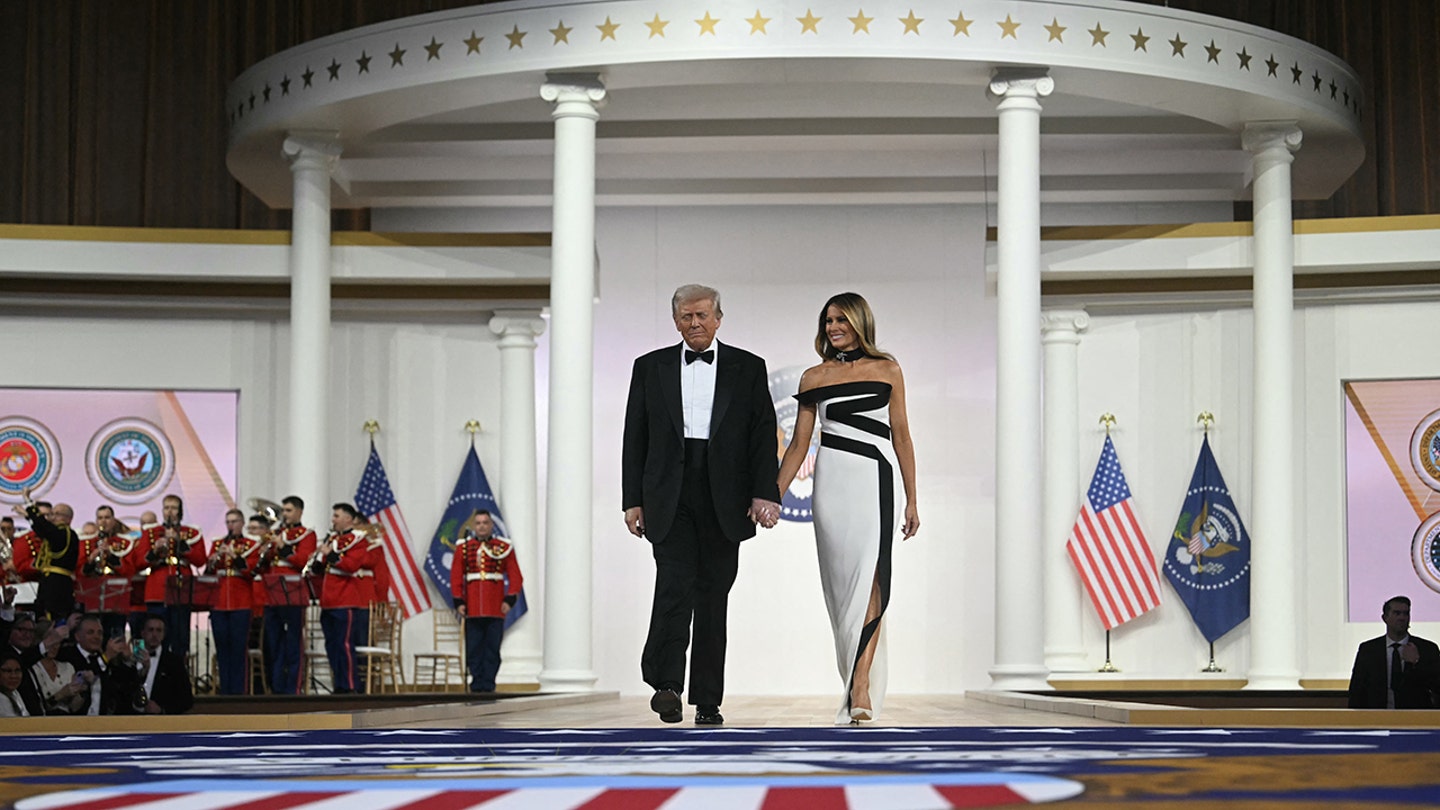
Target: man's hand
x,y
116,649
1409,653
763,512
635,520
151,707
9,595
143,657
504,608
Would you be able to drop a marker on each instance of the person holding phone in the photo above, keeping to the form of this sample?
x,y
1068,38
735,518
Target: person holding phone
x,y
62,689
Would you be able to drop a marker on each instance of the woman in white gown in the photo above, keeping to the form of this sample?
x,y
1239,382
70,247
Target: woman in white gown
x,y
858,394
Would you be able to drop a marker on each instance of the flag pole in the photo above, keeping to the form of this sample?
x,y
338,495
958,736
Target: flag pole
x,y
1108,667
1108,420
1212,667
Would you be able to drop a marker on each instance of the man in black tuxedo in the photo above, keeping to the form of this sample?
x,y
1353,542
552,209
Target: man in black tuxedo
x,y
162,672
116,688
1397,670
698,472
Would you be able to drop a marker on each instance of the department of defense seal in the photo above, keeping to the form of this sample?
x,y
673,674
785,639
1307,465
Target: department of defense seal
x,y
1425,450
29,458
1425,552
129,460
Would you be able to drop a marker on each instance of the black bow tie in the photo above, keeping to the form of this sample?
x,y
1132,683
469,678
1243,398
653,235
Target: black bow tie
x,y
691,356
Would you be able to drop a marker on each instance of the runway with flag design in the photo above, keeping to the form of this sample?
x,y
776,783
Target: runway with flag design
x,y
720,769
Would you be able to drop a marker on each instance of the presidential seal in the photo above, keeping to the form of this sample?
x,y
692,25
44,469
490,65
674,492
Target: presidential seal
x,y
29,458
129,461
795,501
1425,552
1425,450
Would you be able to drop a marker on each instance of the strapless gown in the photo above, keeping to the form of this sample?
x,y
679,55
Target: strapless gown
x,y
855,520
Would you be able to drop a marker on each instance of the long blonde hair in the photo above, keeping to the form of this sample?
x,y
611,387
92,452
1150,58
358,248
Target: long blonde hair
x,y
857,311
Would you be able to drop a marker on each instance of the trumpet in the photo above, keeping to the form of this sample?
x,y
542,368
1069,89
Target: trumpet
x,y
100,557
7,562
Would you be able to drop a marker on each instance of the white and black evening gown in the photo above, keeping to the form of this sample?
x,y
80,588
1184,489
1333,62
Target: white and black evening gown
x,y
854,509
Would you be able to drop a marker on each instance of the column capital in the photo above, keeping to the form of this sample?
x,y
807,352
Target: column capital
x,y
1063,325
1008,83
574,93
522,324
311,149
1262,136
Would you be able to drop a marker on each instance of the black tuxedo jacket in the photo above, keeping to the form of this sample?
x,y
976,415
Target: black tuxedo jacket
x,y
171,689
741,452
1419,683
119,682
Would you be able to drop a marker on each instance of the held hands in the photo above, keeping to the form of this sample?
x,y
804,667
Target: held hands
x,y
764,513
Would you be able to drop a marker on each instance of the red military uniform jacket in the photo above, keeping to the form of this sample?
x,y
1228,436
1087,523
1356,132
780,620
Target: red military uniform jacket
x,y
484,575
119,563
297,545
235,587
350,579
191,552
25,548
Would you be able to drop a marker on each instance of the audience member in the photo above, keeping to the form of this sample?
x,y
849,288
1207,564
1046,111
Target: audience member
x,y
1396,670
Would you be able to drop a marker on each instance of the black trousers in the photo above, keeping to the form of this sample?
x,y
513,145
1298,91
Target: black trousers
x,y
695,565
56,596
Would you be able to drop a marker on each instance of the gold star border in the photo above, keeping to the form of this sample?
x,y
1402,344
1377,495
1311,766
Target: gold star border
x,y
1231,56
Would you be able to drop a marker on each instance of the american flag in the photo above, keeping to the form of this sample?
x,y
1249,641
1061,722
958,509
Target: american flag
x,y
1109,549
376,501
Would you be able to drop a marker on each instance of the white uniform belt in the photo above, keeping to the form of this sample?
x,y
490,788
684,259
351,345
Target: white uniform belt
x,y
498,577
363,572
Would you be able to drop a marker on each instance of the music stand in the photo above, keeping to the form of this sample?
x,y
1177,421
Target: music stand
x,y
104,594
286,590
195,592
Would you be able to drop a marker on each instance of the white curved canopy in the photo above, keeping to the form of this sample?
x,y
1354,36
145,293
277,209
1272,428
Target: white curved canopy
x,y
777,102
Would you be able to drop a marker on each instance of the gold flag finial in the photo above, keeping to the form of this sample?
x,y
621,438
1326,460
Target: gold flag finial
x,y
1108,420
371,426
1207,419
472,426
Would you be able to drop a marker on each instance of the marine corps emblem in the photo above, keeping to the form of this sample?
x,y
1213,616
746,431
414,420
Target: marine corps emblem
x,y
129,460
795,501
29,458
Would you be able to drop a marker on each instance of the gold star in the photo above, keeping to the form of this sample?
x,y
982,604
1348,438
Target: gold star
x,y
1245,58
472,45
363,62
1271,65
758,23
1140,40
861,22
809,22
1056,30
707,24
911,23
962,25
561,33
1177,46
516,37
1213,52
607,31
657,27
1097,36
397,57
432,51
1008,28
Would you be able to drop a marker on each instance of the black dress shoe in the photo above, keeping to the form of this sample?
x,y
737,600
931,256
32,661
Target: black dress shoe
x,y
666,703
709,716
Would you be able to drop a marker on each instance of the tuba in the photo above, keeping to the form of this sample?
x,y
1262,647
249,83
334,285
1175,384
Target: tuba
x,y
271,512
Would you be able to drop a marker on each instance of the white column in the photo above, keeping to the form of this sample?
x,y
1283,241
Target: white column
x,y
312,157
568,606
1274,649
1019,639
520,653
1064,604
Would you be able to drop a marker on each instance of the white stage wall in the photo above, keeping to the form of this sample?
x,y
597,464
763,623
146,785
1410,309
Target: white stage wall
x,y
922,268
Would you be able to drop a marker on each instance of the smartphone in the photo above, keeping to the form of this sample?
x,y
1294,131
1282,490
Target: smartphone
x,y
137,647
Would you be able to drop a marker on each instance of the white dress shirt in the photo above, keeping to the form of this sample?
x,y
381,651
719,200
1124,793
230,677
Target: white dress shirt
x,y
697,392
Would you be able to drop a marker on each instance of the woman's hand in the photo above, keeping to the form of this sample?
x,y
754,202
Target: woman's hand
x,y
912,521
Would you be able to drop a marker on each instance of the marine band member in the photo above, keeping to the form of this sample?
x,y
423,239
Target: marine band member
x,y
172,550
232,560
286,595
105,572
56,557
351,558
485,582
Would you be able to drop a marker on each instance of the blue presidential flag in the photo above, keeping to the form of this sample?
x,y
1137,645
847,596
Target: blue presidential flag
x,y
1208,561
472,491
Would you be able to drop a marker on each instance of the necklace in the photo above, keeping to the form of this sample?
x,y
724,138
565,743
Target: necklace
x,y
850,356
